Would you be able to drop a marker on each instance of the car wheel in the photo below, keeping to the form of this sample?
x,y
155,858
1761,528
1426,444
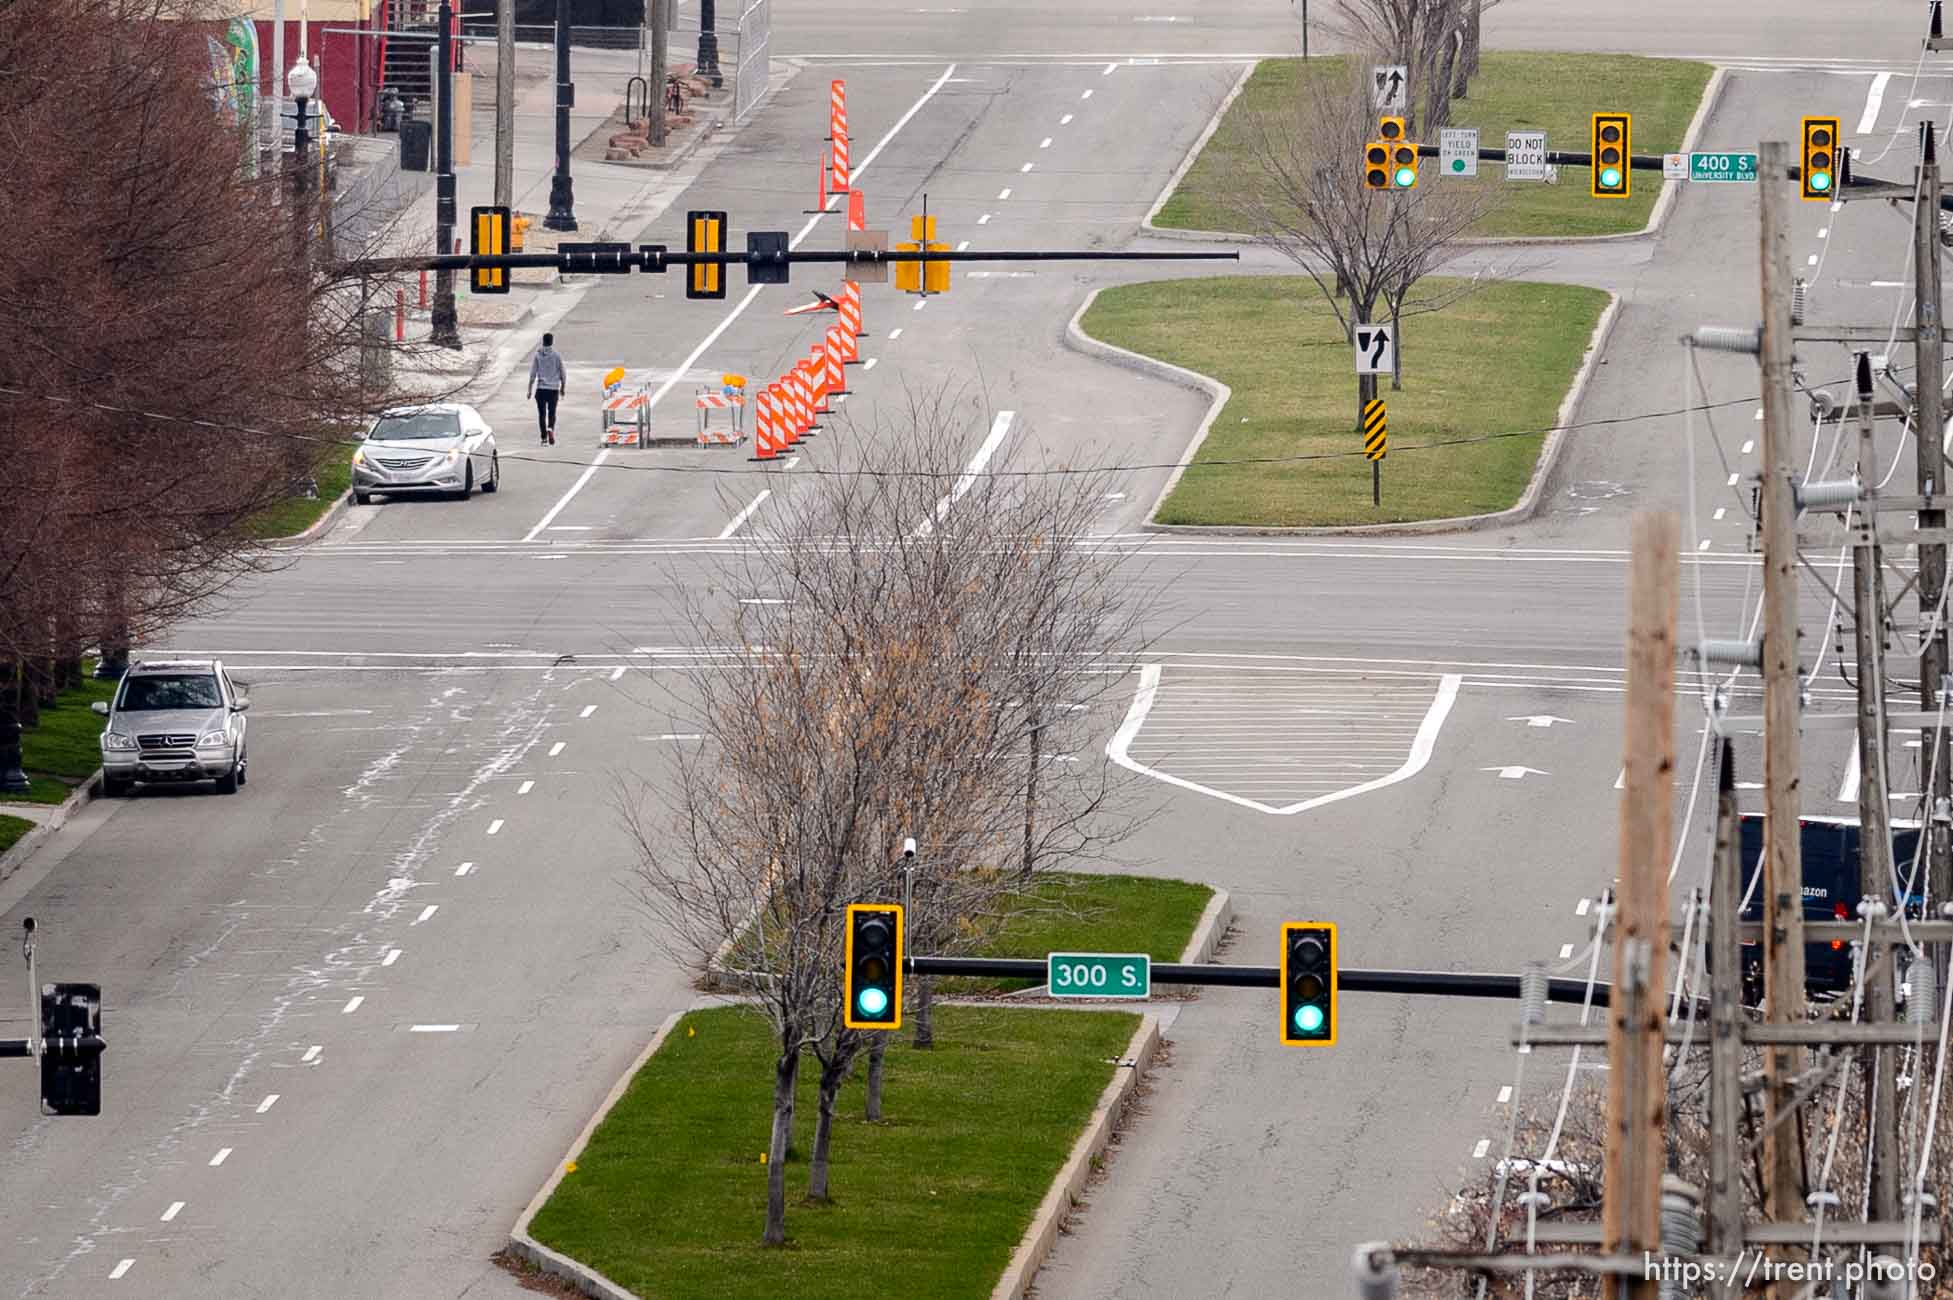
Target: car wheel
x,y
362,498
494,474
244,767
467,483
114,787
229,781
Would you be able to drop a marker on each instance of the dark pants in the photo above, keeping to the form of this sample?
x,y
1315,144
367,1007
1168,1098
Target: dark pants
x,y
546,410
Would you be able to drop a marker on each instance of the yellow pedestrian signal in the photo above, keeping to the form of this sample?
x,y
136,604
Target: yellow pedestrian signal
x,y
1611,163
1376,165
705,232
1819,174
488,237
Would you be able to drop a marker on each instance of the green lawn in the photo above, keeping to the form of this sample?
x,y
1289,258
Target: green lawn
x,y
1556,93
11,829
296,514
65,748
1070,912
669,1197
1275,341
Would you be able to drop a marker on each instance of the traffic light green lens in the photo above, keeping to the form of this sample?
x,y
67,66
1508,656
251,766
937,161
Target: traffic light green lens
x,y
1611,177
1406,177
872,1001
1308,1019
1820,180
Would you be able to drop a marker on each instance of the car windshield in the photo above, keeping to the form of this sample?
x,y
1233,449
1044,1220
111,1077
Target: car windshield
x,y
417,424
185,691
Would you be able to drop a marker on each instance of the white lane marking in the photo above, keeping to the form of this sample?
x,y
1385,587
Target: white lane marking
x,y
1046,142
617,672
963,245
1823,231
984,220
389,561
176,1208
1003,194
869,364
588,709
426,912
764,600
1733,480
1566,951
1545,720
1749,446
1065,120
434,1029
1759,415
549,557
1848,789
1110,68
682,735
999,428
1720,512
312,1052
1483,1145
495,827
270,1100
116,1273
573,528
464,868
893,334
739,519
556,749
393,955
1505,1094
1620,782
1812,261
322,713
739,308
1115,496
1086,95
1582,909
223,1154
1703,545
352,1005
1874,98
1117,749
1518,773
920,303
1026,167
525,787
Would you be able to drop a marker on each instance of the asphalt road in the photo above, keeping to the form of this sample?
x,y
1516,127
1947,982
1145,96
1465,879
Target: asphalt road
x,y
359,1009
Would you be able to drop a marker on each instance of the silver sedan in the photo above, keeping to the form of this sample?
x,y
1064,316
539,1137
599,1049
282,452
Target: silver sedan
x,y
444,448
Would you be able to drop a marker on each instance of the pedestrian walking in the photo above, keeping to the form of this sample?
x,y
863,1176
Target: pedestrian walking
x,y
546,380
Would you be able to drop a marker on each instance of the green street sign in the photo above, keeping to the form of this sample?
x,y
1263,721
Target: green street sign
x,y
1722,167
1098,974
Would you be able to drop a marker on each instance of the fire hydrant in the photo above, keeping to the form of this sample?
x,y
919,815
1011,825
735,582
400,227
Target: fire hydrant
x,y
521,225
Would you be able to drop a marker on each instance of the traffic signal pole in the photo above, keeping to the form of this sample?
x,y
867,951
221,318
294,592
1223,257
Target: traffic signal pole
x,y
620,259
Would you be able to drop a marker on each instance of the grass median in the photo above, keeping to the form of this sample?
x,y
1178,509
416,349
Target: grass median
x,y
11,829
669,1197
1498,361
64,748
290,517
1555,93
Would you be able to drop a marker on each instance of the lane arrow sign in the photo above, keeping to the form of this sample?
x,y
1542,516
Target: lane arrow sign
x,y
1540,719
1515,773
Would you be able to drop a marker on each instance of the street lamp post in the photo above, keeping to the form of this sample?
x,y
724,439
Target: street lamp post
x,y
446,330
303,84
708,43
562,205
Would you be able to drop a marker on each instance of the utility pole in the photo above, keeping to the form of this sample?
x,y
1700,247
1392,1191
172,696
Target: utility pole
x,y
504,103
660,68
1930,428
1783,872
1726,1020
562,204
1874,811
447,330
1637,1108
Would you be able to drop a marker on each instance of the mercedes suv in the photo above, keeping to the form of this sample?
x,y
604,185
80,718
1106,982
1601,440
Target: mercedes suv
x,y
181,720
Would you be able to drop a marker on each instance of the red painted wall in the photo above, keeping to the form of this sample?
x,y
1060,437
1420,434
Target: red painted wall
x,y
347,66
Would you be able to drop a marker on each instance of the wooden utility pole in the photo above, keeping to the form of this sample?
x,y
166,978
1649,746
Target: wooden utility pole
x,y
1637,1107
504,103
1929,426
1874,809
1783,870
1726,1020
660,69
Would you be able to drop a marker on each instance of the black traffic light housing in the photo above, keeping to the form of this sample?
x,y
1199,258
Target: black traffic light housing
x,y
488,236
1818,177
1309,984
1613,148
71,1049
705,232
872,967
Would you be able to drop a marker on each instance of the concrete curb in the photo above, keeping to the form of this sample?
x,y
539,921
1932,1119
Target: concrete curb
x,y
1068,1188
557,1265
1524,509
1193,153
1214,922
1079,341
323,522
24,847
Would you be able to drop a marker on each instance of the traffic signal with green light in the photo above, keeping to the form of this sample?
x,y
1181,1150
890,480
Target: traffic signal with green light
x,y
1820,171
1395,167
872,967
1376,165
1403,166
705,232
1612,133
1309,983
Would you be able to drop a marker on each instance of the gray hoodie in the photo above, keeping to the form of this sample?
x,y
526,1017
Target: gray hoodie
x,y
546,369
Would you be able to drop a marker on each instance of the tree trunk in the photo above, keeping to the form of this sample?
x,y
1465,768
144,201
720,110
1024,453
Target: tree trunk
x,y
833,1073
786,1071
43,674
925,1025
876,1050
1473,36
1396,347
1030,799
27,702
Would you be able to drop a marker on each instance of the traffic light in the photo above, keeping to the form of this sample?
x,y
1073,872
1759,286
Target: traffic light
x,y
71,1049
1309,984
1611,154
705,232
872,967
1820,170
1403,166
1376,165
488,237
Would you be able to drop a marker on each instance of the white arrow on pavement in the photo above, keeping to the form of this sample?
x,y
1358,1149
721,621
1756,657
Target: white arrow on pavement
x,y
1540,719
1515,773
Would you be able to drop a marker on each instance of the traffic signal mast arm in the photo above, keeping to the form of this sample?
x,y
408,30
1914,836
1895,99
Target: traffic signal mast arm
x,y
621,259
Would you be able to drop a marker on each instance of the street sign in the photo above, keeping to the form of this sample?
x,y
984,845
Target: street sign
x,y
1525,155
1376,431
1722,167
1674,166
1458,150
1098,975
1387,81
1376,350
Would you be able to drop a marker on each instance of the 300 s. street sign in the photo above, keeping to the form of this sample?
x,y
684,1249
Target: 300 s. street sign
x,y
1098,974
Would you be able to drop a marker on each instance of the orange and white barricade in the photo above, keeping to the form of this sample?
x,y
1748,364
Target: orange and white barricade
x,y
833,357
857,211
786,415
815,368
766,440
803,403
627,418
850,312
706,401
837,133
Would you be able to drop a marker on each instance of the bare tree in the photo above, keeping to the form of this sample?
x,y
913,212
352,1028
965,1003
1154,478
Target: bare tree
x,y
1437,42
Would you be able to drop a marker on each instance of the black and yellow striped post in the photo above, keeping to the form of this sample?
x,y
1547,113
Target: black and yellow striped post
x,y
1376,445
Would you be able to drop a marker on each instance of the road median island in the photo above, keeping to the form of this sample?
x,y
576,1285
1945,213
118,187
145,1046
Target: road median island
x,y
1555,93
668,1197
292,517
62,751
11,830
1285,452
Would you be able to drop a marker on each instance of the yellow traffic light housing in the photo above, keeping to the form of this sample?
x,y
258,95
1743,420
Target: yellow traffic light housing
x,y
1611,155
1403,166
1390,129
1819,174
1376,165
489,230
705,232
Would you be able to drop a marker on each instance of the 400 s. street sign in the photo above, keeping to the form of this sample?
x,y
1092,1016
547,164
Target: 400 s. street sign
x,y
1722,167
1098,974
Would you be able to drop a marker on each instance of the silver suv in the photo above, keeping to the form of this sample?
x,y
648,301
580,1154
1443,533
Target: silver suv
x,y
180,720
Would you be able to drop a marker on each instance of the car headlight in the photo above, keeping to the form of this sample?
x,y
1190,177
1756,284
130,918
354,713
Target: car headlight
x,y
116,740
454,454
359,458
213,739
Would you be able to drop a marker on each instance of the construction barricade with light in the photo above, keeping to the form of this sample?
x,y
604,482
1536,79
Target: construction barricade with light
x,y
627,412
730,398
